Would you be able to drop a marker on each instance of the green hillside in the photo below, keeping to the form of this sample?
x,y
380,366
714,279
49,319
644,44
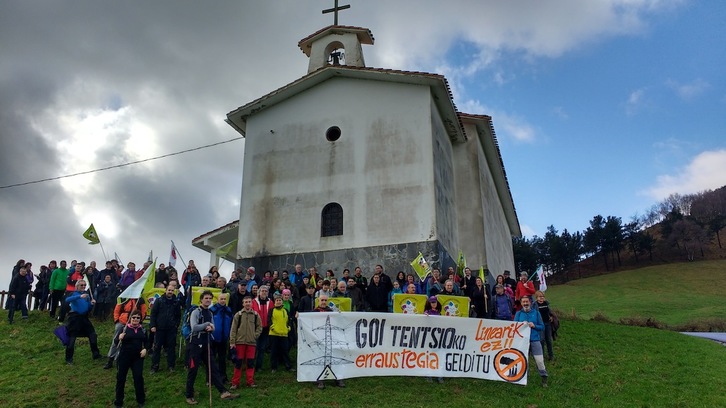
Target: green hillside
x,y
674,294
597,364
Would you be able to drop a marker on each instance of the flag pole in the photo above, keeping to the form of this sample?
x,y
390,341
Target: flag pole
x,y
105,258
179,255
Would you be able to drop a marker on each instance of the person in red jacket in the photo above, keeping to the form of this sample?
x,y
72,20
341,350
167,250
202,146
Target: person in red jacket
x,y
524,288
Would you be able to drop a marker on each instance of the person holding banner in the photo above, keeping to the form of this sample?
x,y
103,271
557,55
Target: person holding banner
x,y
323,307
531,316
433,308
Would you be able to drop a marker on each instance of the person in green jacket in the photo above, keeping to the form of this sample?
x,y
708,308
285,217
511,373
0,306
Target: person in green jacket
x,y
57,285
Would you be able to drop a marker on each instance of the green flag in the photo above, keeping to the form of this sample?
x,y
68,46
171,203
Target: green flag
x,y
91,235
460,263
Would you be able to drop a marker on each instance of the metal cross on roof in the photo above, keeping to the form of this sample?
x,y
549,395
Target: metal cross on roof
x,y
335,10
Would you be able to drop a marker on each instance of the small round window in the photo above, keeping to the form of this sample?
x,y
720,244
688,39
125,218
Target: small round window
x,y
332,134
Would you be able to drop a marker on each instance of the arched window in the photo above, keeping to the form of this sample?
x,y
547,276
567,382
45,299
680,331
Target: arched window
x,y
331,222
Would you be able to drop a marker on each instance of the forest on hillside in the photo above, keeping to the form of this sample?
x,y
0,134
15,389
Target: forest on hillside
x,y
679,228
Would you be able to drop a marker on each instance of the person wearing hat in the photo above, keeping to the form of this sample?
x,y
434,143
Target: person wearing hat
x,y
236,299
509,282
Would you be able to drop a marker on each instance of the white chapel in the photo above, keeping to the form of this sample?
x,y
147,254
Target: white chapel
x,y
352,165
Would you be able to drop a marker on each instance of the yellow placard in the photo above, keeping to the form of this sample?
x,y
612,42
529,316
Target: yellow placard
x,y
409,304
197,294
338,304
454,305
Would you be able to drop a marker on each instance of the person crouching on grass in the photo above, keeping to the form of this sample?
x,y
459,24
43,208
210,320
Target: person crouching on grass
x,y
531,316
132,351
199,349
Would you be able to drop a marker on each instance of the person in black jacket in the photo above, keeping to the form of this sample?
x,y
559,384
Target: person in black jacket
x,y
19,288
132,350
377,295
165,318
307,302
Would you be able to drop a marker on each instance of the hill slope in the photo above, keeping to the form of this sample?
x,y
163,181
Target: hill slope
x,y
674,294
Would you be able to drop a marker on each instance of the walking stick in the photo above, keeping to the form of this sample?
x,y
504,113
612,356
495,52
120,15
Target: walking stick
x,y
209,370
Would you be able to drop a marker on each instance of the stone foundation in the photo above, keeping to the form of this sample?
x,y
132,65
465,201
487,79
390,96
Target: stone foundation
x,y
394,258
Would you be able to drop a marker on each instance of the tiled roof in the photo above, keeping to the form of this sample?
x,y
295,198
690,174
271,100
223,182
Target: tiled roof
x,y
226,226
438,77
362,31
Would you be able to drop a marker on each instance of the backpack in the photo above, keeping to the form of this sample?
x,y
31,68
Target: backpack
x,y
503,313
186,329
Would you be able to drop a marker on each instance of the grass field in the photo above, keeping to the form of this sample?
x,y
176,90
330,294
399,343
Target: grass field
x,y
673,294
597,363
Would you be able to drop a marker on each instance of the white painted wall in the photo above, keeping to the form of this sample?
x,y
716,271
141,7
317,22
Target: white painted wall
x,y
469,204
379,171
444,184
497,235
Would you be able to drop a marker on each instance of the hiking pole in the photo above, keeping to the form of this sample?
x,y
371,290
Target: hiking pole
x,y
209,370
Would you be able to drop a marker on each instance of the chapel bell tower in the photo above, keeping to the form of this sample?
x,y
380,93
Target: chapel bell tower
x,y
336,44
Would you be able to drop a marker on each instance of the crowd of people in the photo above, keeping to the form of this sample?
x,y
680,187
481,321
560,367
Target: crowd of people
x,y
255,314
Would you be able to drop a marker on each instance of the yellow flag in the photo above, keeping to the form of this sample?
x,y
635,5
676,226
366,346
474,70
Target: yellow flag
x,y
91,235
421,267
226,249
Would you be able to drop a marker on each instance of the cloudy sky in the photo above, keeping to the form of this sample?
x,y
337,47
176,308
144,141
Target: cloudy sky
x,y
600,107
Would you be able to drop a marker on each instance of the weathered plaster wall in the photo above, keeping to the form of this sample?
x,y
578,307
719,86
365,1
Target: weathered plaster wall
x,y
469,204
444,185
379,170
497,235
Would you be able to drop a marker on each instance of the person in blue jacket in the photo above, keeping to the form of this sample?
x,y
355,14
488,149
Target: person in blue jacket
x,y
531,316
220,336
78,324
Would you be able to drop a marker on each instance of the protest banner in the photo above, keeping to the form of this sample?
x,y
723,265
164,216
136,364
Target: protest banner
x,y
348,345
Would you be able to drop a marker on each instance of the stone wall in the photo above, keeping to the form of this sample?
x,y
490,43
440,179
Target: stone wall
x,y
394,258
